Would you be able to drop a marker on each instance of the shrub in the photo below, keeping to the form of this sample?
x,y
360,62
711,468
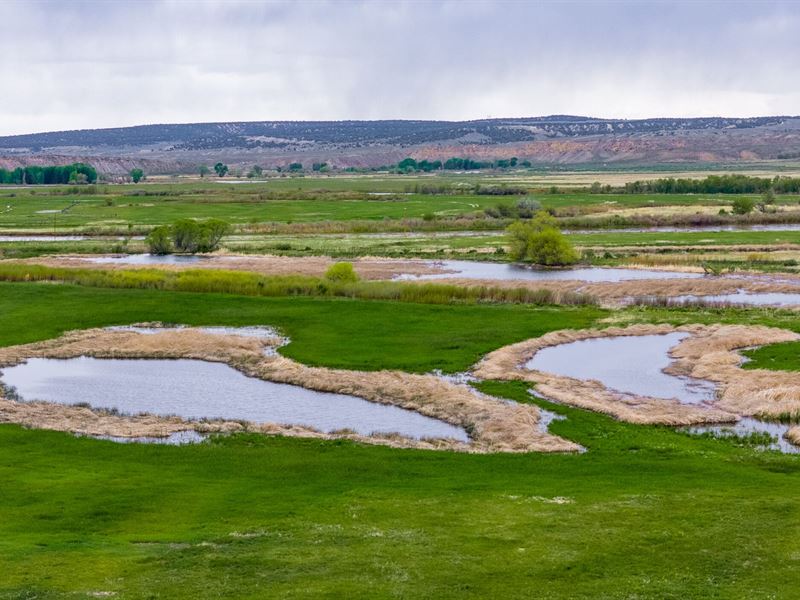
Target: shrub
x,y
540,242
342,272
743,205
159,240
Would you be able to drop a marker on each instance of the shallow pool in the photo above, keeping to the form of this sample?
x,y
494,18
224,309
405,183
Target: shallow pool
x,y
748,298
465,269
147,259
630,364
194,389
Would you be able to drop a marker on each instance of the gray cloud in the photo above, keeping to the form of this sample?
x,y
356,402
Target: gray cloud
x,y
68,65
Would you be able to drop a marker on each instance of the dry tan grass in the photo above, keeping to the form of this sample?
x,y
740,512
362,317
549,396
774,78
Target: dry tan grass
x,y
793,435
710,353
494,425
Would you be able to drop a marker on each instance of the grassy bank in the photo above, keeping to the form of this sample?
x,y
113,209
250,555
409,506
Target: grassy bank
x,y
251,284
645,513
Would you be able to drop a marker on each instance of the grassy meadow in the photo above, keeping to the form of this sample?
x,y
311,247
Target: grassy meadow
x,y
645,512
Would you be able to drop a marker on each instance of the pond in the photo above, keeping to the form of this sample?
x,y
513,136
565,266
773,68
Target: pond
x,y
747,298
631,364
464,269
42,238
194,389
148,259
634,364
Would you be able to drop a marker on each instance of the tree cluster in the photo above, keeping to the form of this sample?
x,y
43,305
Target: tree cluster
x,y
187,236
539,241
33,175
713,184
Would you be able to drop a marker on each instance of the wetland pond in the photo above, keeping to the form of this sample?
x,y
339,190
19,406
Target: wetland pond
x,y
465,269
634,365
194,389
747,298
148,259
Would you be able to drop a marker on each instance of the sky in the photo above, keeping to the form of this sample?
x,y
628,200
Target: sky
x,y
77,65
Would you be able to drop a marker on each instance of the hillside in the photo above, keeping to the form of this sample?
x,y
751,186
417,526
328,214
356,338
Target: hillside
x,y
548,140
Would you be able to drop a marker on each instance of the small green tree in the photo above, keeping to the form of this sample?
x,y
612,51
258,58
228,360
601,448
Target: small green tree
x,y
295,167
136,175
159,240
540,242
186,235
211,233
256,171
220,169
203,170
743,205
341,272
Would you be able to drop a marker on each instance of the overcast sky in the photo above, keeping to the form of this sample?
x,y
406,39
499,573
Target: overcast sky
x,y
74,65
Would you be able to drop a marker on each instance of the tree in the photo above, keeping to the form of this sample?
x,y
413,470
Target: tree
x,y
295,167
211,233
186,235
204,170
220,169
743,205
137,175
256,171
158,241
540,242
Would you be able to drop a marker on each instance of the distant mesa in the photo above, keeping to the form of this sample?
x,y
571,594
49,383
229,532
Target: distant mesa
x,y
550,140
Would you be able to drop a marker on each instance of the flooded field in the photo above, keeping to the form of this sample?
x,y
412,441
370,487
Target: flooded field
x,y
464,269
197,390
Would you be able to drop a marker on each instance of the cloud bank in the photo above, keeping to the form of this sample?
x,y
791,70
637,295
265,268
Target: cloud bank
x,y
73,65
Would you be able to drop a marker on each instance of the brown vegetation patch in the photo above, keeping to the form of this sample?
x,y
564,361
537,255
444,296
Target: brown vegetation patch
x,y
709,353
494,425
793,435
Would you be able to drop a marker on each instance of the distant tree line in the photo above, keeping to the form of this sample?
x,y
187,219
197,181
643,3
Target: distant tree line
x,y
713,184
410,165
33,175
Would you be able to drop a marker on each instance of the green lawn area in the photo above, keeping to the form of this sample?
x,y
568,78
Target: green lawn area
x,y
646,512
779,357
299,200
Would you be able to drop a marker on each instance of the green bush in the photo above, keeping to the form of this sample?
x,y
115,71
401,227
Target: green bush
x,y
342,272
540,242
159,241
743,205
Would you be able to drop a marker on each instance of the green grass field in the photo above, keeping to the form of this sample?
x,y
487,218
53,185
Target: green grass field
x,y
300,200
647,512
